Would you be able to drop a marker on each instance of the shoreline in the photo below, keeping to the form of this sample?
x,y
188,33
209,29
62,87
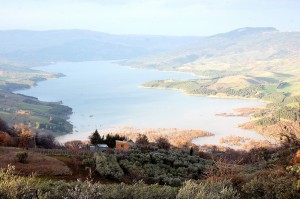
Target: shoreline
x,y
210,96
143,87
178,137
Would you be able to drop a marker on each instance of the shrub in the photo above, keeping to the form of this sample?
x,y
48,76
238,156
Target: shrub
x,y
163,143
22,157
12,186
142,140
84,190
45,141
107,165
161,166
95,138
215,190
271,186
137,191
5,139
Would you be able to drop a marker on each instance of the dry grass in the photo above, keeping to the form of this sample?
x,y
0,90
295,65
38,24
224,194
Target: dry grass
x,y
177,137
248,111
275,130
245,143
38,164
296,158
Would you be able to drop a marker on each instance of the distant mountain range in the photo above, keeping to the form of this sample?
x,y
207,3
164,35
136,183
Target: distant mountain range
x,y
241,49
36,47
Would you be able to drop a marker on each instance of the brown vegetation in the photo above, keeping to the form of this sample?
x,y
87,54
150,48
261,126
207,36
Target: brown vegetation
x,y
274,131
5,139
296,158
244,143
176,137
36,163
248,111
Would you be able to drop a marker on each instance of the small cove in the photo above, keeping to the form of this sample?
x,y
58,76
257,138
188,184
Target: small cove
x,y
105,95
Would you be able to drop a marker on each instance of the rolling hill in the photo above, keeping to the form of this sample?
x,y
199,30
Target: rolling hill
x,y
238,59
23,47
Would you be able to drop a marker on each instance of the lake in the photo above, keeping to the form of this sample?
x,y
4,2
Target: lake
x,y
105,95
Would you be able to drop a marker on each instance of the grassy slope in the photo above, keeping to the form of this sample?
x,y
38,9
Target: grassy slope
x,y
14,77
235,60
37,163
50,117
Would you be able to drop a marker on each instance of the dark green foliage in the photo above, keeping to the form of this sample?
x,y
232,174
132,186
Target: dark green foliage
x,y
191,151
271,186
15,187
5,128
142,141
95,138
110,140
266,121
14,86
250,91
163,167
107,166
3,125
163,143
288,113
58,109
137,191
217,190
45,141
22,157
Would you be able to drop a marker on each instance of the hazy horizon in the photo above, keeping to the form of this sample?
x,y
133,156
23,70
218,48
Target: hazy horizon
x,y
145,17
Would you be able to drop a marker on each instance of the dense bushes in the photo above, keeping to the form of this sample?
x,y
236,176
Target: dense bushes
x,y
13,187
288,113
272,186
107,166
45,141
217,190
164,167
22,157
266,121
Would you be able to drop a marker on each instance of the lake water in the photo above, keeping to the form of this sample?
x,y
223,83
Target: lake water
x,y
104,95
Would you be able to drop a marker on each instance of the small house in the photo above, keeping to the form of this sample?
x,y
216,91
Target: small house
x,y
99,148
122,145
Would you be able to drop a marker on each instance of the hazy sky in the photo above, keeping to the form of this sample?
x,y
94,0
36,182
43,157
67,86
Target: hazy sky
x,y
159,17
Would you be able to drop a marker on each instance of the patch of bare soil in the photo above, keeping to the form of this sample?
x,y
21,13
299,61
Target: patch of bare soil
x,y
37,164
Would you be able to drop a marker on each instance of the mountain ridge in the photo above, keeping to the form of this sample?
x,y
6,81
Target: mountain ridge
x,y
36,47
261,47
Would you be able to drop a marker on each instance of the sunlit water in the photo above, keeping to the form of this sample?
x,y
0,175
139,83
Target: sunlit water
x,y
104,95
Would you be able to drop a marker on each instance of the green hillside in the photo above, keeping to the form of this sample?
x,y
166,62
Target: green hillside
x,y
243,60
16,77
49,117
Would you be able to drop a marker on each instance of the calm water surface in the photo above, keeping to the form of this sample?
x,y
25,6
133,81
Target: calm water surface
x,y
104,95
